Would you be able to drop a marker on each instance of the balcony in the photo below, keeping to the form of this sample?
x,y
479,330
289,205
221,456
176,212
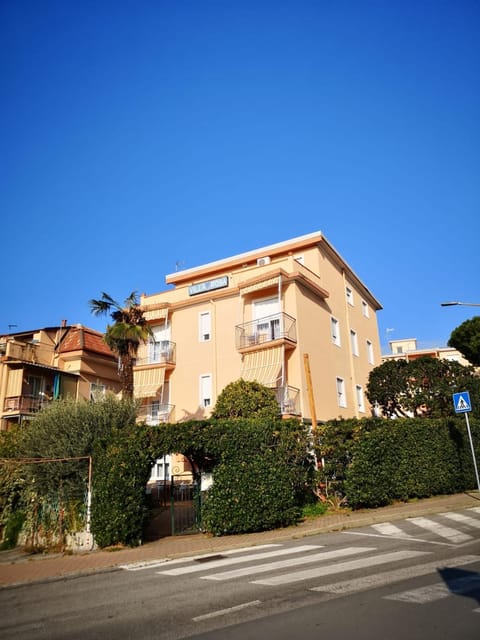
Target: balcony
x,y
289,400
258,333
155,413
160,353
24,404
32,352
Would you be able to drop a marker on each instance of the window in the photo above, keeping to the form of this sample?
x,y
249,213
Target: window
x,y
360,401
370,352
204,326
365,309
161,469
97,391
205,390
342,400
354,342
349,295
335,331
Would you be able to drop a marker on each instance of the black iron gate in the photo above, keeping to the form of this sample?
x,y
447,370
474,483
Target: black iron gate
x,y
184,505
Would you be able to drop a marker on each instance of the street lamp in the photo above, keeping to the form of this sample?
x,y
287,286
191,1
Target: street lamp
x,y
461,304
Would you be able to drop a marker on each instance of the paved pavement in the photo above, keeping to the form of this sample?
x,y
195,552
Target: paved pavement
x,y
17,567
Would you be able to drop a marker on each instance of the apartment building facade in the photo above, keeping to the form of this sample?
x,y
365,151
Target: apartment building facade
x,y
39,366
407,349
293,316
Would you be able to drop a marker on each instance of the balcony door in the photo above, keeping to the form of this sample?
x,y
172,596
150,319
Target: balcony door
x,y
267,327
160,345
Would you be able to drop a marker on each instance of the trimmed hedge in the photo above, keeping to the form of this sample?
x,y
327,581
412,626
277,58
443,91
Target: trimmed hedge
x,y
410,458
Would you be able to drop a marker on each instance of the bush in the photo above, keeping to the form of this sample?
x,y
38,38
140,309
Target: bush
x,y
410,458
251,496
244,399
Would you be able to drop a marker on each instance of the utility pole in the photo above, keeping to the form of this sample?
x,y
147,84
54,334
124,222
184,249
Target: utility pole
x,y
311,400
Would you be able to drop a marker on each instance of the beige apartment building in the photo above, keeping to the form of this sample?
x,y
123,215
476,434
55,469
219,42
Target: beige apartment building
x,y
293,316
39,366
407,349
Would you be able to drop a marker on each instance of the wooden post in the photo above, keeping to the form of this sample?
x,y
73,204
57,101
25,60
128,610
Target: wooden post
x,y
311,399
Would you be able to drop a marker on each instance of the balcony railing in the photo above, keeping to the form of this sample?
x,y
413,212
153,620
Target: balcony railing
x,y
33,352
153,414
162,352
279,326
289,400
25,404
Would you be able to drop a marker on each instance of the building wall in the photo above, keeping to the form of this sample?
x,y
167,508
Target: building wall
x,y
311,292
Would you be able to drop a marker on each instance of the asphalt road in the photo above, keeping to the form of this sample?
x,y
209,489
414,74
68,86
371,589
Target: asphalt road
x,y
416,578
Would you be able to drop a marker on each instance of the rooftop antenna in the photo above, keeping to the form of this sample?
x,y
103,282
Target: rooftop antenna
x,y
178,264
11,326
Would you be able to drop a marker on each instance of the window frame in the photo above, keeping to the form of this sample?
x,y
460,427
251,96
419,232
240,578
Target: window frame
x,y
341,392
335,331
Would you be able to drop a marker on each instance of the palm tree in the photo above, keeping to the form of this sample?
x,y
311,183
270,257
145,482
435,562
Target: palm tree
x,y
124,337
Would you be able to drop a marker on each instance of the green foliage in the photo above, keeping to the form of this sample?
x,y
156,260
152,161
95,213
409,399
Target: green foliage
x,y
244,399
252,495
410,458
420,388
466,339
13,527
121,470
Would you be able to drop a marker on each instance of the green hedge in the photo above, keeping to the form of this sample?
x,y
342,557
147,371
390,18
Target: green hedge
x,y
410,458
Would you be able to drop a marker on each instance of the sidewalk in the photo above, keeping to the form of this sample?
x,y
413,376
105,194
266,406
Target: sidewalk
x,y
18,568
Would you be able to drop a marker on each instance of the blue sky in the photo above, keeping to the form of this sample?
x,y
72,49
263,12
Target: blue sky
x,y
141,135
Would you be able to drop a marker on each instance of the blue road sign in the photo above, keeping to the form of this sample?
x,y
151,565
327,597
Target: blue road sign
x,y
461,402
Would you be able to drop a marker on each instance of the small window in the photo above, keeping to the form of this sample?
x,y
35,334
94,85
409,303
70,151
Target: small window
x,y
204,326
335,327
349,295
354,342
360,400
97,391
370,357
205,390
342,399
365,309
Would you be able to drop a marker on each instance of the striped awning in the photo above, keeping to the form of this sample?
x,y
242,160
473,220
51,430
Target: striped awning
x,y
156,314
264,366
147,382
264,284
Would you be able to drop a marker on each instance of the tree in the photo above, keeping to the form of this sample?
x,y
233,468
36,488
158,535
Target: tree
x,y
245,399
466,339
419,388
124,337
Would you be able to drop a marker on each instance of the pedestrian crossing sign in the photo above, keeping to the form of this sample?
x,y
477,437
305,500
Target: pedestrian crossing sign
x,y
461,402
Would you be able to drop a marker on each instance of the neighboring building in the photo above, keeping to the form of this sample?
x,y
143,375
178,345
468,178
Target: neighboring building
x,y
255,316
407,349
42,365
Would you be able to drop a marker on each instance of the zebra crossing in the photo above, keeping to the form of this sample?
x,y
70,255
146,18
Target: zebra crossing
x,y
448,528
323,569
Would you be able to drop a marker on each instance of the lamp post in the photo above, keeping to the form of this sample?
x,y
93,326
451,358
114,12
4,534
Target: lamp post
x,y
460,304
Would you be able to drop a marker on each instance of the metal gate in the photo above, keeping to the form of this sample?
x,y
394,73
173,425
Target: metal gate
x,y
184,505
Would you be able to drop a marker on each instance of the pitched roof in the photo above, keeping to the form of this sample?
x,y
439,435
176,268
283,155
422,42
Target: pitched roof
x,y
82,338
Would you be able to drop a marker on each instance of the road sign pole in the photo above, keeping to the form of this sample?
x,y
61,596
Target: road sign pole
x,y
473,450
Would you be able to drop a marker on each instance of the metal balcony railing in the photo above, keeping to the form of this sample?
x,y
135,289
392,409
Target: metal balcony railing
x,y
25,404
275,327
289,400
155,413
162,352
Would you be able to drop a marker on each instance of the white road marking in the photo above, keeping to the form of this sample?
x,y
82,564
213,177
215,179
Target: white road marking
x,y
229,561
318,572
403,537
291,562
389,529
223,612
440,530
476,509
459,517
390,577
152,564
438,591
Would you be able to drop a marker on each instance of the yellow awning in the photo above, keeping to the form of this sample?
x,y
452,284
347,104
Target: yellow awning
x,y
14,384
264,284
155,314
146,382
264,366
